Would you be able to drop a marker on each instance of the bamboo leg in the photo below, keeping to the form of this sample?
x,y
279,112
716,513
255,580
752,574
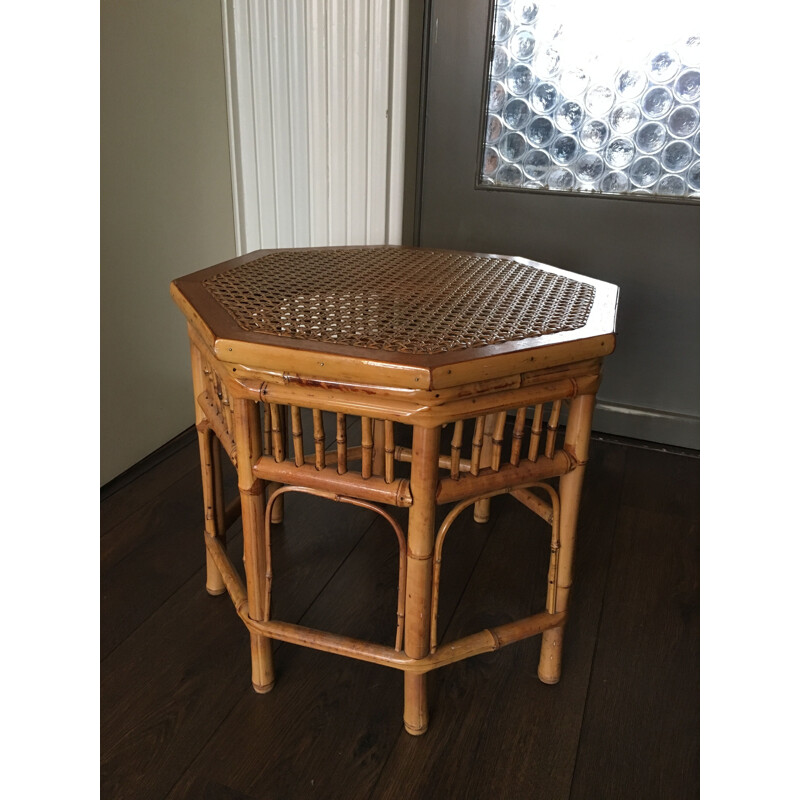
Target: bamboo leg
x,y
251,489
211,476
576,442
209,465
419,574
481,511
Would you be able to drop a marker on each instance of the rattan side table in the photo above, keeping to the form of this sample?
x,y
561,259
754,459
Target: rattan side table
x,y
430,339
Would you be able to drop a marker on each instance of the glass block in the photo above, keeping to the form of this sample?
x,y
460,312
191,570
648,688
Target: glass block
x,y
676,156
536,164
663,66
630,83
599,100
503,26
574,82
512,146
540,131
544,97
620,152
524,12
509,175
589,167
687,86
672,185
564,149
615,183
500,62
522,45
561,179
547,62
594,134
644,171
625,118
519,79
683,121
491,161
657,102
494,129
569,116
497,96
593,98
516,114
651,137
693,176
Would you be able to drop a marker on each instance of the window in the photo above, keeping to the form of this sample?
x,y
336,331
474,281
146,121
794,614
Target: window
x,y
593,97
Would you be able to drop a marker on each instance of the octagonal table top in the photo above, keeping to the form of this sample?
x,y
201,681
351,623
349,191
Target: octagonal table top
x,y
419,317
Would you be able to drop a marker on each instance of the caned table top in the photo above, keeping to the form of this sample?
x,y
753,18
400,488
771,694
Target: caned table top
x,y
414,317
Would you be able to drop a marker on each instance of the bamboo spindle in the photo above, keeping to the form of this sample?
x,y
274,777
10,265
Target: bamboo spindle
x,y
341,443
576,443
517,436
486,459
267,427
297,436
477,445
536,433
251,489
552,429
421,529
497,439
366,447
379,448
278,434
319,439
455,449
388,450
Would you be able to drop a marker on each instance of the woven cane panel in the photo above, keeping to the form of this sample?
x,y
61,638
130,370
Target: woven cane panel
x,y
401,300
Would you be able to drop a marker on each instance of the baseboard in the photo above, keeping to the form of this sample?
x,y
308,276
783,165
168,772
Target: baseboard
x,y
148,462
647,424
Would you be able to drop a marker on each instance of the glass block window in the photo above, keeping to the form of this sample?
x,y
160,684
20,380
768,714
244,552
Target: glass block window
x,y
594,97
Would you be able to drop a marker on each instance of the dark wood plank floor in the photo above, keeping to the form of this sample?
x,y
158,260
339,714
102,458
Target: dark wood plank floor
x,y
179,719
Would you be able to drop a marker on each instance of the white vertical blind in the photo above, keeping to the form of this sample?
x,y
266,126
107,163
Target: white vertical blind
x,y
316,92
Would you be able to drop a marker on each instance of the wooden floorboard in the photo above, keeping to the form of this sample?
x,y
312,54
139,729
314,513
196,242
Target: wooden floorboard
x,y
180,720
492,730
143,483
331,722
642,711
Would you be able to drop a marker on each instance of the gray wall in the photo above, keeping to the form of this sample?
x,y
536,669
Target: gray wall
x,y
166,209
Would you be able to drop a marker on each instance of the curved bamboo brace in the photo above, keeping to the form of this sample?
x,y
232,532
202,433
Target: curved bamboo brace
x,y
555,545
338,498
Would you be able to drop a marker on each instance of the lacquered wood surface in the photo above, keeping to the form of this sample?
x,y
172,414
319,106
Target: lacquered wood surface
x,y
326,361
